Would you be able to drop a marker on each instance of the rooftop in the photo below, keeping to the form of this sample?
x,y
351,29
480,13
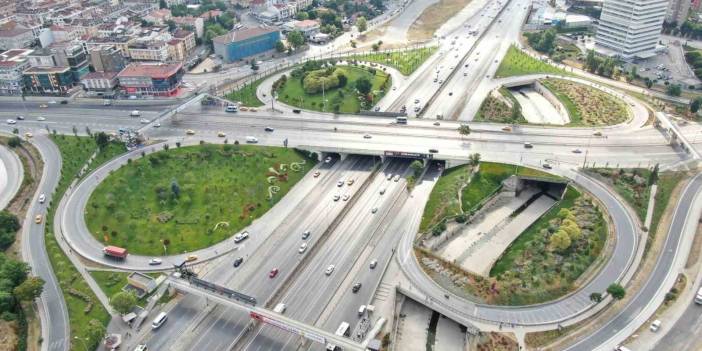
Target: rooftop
x,y
9,33
159,70
58,69
241,34
13,56
100,75
182,33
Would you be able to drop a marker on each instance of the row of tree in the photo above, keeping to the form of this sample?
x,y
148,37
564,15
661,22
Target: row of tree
x,y
16,287
543,41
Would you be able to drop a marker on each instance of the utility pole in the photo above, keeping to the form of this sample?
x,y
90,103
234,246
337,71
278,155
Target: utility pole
x,y
324,99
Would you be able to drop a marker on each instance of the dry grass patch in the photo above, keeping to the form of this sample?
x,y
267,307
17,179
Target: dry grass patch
x,y
588,106
433,17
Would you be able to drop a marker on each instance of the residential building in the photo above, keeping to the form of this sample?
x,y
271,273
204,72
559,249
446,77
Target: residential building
x,y
187,37
678,10
246,42
73,55
170,3
176,50
155,79
49,80
211,14
14,36
107,58
196,24
7,8
630,29
309,28
155,50
101,83
159,16
12,64
41,58
120,42
65,33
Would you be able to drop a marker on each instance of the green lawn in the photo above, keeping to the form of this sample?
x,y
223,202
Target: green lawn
x,y
405,61
586,105
631,184
346,97
666,183
113,282
222,189
485,183
246,94
496,110
75,151
443,200
517,63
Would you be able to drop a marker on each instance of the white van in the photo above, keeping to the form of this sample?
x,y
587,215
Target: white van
x,y
362,310
280,308
159,320
251,140
135,113
698,297
232,108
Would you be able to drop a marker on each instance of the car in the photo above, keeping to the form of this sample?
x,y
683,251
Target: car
x,y
329,269
450,93
340,183
598,134
337,197
350,182
106,103
417,109
546,165
394,88
356,287
64,102
42,198
374,210
577,151
367,136
40,118
389,177
376,109
373,264
37,219
141,347
433,151
155,262
306,234
241,237
253,109
11,121
190,132
465,74
436,80
622,348
382,191
221,134
303,248
52,101
328,159
191,258
346,197
157,125
396,178
144,121
28,135
528,145
655,325
507,129
280,308
20,118
416,101
273,273
43,106
238,261
316,174
268,129
437,123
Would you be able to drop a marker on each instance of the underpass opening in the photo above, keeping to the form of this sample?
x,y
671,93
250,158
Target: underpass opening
x,y
424,157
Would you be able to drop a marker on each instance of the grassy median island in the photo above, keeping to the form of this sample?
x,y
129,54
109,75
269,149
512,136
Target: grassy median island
x,y
246,94
190,198
83,305
347,89
518,63
500,106
405,61
586,105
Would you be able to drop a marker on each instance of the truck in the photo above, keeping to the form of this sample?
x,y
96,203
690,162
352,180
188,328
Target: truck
x,y
135,113
114,251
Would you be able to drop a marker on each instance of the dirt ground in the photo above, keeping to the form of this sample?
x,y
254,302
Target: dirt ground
x,y
433,17
8,337
645,269
494,342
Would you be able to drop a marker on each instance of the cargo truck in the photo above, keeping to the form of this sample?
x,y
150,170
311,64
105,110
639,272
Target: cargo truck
x,y
114,251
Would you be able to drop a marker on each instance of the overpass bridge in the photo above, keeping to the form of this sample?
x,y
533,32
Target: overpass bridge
x,y
676,134
245,303
422,155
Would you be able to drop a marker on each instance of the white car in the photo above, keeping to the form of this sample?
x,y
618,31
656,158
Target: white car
x,y
396,178
328,159
157,125
374,210
11,121
655,325
346,197
329,269
340,183
241,237
40,118
303,248
42,198
155,261
20,118
337,197
144,121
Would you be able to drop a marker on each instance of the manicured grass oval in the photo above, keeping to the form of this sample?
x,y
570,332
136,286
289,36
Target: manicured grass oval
x,y
192,197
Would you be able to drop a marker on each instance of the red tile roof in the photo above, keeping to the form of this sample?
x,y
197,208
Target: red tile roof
x,y
161,70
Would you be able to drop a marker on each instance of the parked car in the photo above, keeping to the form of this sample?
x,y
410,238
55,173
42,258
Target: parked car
x,y
336,197
303,248
268,129
316,174
37,219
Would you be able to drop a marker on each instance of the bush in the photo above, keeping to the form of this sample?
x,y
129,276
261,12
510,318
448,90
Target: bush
x,y
14,142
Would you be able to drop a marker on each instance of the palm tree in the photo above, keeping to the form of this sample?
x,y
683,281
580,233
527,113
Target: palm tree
x,y
464,129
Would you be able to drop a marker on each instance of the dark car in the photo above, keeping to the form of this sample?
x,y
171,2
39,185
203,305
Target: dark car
x,y
433,151
64,102
268,129
356,288
297,110
238,261
547,166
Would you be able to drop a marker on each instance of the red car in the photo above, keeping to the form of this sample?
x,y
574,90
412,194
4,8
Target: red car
x,y
273,273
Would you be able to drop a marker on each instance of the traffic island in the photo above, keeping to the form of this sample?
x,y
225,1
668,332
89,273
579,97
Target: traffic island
x,y
189,198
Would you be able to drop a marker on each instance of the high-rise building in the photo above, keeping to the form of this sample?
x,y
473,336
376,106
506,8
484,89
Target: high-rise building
x,y
678,11
631,28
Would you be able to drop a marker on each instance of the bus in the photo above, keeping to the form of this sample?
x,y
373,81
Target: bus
x,y
343,330
401,120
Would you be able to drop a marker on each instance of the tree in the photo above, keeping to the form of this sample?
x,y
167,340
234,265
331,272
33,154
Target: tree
x,y
302,15
171,25
123,302
653,177
596,297
96,332
573,231
15,141
417,166
474,159
560,241
464,129
617,291
162,4
648,82
673,90
101,139
361,24
175,188
695,105
29,289
279,46
516,112
363,85
296,39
